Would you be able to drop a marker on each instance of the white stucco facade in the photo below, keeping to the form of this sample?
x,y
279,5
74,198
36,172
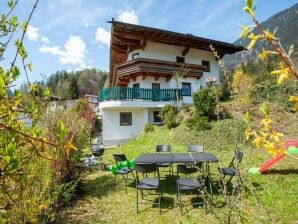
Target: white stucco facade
x,y
167,52
143,111
114,133
112,128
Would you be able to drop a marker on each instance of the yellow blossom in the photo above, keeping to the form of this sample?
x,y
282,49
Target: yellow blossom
x,y
276,136
282,72
17,103
266,123
295,100
29,66
258,142
263,54
270,148
69,146
264,135
269,35
33,88
253,40
245,30
249,133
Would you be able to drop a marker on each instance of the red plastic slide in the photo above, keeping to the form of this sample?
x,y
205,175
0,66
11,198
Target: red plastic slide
x,y
291,142
265,166
291,147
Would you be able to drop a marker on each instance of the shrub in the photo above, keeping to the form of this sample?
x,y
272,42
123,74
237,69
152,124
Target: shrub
x,y
205,102
241,85
66,192
198,123
274,93
168,115
223,112
148,128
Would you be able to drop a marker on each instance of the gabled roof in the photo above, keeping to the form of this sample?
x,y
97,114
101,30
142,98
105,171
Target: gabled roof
x,y
127,31
127,37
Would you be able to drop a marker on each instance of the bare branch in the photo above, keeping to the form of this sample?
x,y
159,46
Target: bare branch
x,y
281,53
23,34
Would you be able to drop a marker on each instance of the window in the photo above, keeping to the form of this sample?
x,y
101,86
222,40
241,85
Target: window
x,y
135,56
207,65
180,59
125,118
136,85
186,89
156,117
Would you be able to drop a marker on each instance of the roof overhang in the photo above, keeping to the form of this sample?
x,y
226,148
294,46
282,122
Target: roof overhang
x,y
127,37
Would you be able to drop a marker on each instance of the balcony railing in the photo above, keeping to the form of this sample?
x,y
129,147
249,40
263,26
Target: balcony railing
x,y
127,94
156,66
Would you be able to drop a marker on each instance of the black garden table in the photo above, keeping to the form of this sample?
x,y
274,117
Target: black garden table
x,y
188,158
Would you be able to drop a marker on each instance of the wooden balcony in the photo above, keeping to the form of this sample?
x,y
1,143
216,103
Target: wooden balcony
x,y
137,94
155,68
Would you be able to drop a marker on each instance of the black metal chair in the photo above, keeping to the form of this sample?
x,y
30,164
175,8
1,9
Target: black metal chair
x,y
232,170
164,149
146,182
124,171
195,148
188,182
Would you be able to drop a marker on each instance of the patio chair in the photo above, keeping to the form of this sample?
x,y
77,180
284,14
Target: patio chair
x,y
164,149
195,148
188,182
198,149
148,183
124,171
232,170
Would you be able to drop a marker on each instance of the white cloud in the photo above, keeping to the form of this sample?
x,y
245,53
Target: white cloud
x,y
102,36
74,51
45,40
128,16
32,33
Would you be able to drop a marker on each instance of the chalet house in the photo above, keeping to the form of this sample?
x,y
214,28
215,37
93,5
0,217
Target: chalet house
x,y
92,101
57,102
142,62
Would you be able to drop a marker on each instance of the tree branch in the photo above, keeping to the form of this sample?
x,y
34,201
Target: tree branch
x,y
26,135
280,53
14,5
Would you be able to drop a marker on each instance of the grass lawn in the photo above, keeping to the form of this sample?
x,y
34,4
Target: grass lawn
x,y
102,202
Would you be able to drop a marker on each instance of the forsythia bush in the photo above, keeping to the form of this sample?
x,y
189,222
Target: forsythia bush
x,y
241,86
265,137
35,157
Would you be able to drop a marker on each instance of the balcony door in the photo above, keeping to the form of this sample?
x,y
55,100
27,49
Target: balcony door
x,y
136,90
155,91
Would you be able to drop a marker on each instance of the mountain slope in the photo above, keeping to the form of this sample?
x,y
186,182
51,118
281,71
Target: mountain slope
x,y
286,25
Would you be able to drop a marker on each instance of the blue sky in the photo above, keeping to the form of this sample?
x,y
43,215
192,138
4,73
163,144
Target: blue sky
x,y
73,34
